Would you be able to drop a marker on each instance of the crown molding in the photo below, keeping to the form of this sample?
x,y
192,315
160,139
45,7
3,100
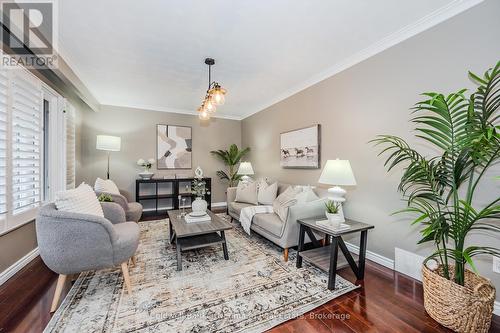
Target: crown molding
x,y
438,16
157,108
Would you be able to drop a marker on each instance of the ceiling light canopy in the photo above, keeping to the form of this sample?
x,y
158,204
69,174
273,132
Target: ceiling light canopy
x,y
215,94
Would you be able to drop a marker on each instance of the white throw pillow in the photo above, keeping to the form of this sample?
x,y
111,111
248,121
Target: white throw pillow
x,y
81,200
306,195
283,201
247,193
266,193
107,186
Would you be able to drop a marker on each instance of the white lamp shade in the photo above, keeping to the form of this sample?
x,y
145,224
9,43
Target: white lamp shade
x,y
245,169
108,142
337,172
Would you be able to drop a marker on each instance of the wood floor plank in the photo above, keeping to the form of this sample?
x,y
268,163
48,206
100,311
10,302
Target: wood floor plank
x,y
386,302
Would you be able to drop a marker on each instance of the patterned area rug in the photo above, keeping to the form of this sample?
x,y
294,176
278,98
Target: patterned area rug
x,y
251,292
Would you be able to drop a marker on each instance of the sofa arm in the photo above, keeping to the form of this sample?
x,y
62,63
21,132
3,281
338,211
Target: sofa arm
x,y
314,208
113,212
231,194
118,198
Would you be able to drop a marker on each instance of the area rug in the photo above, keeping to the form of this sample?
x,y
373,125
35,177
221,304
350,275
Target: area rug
x,y
253,291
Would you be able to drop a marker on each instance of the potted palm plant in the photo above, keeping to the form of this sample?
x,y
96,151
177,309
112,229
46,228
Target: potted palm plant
x,y
231,158
440,192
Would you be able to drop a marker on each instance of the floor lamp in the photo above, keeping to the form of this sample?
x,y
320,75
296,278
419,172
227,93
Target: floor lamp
x,y
108,143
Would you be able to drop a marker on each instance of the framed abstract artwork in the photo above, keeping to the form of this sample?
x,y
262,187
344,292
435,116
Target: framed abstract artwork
x,y
300,148
174,147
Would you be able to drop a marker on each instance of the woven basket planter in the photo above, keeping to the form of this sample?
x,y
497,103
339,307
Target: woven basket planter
x,y
467,308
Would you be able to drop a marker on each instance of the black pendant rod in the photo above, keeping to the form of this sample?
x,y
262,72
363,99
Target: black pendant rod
x,y
210,62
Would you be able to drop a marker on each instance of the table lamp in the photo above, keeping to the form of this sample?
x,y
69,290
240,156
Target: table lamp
x,y
245,169
108,143
337,172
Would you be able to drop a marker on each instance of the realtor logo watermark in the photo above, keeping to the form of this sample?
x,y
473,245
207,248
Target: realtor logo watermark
x,y
29,33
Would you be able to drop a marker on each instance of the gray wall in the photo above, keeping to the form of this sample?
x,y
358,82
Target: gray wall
x,y
137,129
374,97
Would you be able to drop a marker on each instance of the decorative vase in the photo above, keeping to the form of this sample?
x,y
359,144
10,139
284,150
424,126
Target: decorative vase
x,y
146,174
466,308
199,206
334,219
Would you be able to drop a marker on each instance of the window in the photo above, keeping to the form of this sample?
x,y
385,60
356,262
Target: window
x,y
32,158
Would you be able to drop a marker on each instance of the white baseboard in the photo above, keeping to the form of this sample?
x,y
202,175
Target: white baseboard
x,y
389,263
219,204
496,308
18,265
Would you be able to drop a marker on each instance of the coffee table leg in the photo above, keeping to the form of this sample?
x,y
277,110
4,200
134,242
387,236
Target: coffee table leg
x,y
332,273
171,231
224,245
179,258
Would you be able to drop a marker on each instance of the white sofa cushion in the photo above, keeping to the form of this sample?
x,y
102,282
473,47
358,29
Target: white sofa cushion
x,y
283,201
266,193
247,192
81,200
106,185
306,195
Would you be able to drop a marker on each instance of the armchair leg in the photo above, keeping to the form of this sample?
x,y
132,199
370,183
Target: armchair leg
x,y
61,280
126,278
132,260
285,254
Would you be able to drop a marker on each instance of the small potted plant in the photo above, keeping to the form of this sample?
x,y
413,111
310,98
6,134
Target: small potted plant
x,y
146,174
333,213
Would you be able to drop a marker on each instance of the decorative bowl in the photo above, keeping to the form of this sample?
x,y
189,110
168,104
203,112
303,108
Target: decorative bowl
x,y
146,175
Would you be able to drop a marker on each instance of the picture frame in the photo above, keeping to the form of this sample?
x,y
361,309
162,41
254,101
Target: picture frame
x,y
174,146
301,148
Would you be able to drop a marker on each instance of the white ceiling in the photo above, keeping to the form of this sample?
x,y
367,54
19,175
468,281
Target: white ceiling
x,y
150,54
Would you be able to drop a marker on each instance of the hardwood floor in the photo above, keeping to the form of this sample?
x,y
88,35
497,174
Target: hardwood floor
x,y
387,302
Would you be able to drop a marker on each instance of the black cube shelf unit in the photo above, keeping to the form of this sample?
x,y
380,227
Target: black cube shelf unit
x,y
159,195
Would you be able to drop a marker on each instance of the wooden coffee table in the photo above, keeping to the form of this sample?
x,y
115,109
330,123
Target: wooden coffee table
x,y
188,236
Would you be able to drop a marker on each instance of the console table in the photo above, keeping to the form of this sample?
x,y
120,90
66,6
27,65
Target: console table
x,y
159,195
326,257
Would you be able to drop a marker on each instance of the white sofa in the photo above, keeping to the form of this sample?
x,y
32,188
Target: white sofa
x,y
282,233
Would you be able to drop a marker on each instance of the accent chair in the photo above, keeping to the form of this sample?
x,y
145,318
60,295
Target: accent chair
x,y
71,243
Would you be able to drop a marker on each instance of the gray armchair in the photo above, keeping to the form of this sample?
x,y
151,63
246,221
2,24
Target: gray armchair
x,y
133,210
71,243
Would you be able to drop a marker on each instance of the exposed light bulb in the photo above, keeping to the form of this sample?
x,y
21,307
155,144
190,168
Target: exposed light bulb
x,y
209,104
218,98
204,115
217,93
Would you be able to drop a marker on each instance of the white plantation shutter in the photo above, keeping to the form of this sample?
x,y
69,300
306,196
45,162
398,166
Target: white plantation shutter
x,y
26,149
27,145
4,83
70,148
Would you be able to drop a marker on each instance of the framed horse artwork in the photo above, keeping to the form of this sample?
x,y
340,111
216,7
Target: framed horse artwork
x,y
300,148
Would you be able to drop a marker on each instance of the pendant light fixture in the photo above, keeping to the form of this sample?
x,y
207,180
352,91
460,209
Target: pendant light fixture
x,y
215,94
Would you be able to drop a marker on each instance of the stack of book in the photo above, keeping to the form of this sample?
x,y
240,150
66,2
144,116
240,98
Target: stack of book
x,y
329,225
194,219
